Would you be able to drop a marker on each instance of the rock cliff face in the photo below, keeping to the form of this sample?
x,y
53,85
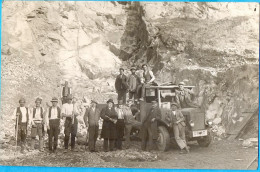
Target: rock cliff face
x,y
213,46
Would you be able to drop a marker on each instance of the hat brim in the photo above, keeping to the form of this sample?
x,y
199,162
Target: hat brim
x,y
54,100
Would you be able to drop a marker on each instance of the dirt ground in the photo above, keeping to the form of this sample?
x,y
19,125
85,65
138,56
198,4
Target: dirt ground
x,y
221,154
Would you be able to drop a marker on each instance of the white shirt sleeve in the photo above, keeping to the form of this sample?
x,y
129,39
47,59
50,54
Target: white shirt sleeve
x,y
152,75
14,114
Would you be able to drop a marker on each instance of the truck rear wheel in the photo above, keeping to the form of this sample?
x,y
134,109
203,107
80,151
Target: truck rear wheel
x,y
163,141
205,141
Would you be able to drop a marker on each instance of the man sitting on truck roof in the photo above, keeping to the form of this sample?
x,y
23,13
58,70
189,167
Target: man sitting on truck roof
x,y
184,97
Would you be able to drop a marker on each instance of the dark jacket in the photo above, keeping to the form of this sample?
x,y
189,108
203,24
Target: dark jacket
x,y
121,83
91,117
108,127
172,119
153,113
184,99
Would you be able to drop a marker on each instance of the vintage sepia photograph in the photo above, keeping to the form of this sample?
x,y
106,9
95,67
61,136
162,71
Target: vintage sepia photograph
x,y
130,84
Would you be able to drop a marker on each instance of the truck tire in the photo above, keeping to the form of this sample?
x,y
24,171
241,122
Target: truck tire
x,y
163,141
205,141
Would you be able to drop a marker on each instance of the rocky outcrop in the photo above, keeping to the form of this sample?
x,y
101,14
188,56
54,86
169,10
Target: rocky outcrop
x,y
213,46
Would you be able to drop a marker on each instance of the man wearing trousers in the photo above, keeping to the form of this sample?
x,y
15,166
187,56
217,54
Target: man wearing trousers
x,y
149,127
70,113
177,122
91,119
21,115
53,115
37,124
121,86
120,125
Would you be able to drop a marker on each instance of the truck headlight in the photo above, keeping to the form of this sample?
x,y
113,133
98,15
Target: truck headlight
x,y
209,122
192,123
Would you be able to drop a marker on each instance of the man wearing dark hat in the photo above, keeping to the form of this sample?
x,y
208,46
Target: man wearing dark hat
x,y
91,119
37,124
149,127
176,120
121,85
184,97
22,116
109,116
133,82
70,112
53,116
120,124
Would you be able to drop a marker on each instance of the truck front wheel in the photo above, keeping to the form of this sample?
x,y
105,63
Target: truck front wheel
x,y
163,141
204,141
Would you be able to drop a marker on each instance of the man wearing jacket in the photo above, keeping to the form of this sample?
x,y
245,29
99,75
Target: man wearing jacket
x,y
37,124
109,133
133,82
177,122
149,127
121,85
184,97
91,119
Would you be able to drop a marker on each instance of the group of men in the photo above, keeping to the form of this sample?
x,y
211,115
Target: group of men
x,y
117,121
41,120
133,84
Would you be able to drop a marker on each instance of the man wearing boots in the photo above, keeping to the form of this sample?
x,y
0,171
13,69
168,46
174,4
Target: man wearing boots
x,y
70,113
21,115
149,128
91,119
37,123
53,116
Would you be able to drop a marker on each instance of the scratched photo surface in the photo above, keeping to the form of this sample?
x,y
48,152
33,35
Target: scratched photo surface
x,y
116,84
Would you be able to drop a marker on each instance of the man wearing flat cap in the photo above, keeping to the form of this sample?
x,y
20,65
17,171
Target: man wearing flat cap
x,y
184,97
53,116
133,82
91,119
149,127
108,132
37,123
70,112
176,121
22,116
121,85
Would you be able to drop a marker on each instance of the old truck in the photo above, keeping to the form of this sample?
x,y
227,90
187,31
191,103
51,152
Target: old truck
x,y
197,127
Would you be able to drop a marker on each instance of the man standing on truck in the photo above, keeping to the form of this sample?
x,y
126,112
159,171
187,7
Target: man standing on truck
x,y
66,90
133,82
149,127
177,122
121,86
184,97
148,79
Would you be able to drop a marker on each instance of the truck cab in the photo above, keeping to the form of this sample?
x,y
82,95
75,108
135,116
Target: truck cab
x,y
197,128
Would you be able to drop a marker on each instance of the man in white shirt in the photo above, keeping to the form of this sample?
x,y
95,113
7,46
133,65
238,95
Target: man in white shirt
x,y
120,125
21,115
53,115
70,113
37,123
